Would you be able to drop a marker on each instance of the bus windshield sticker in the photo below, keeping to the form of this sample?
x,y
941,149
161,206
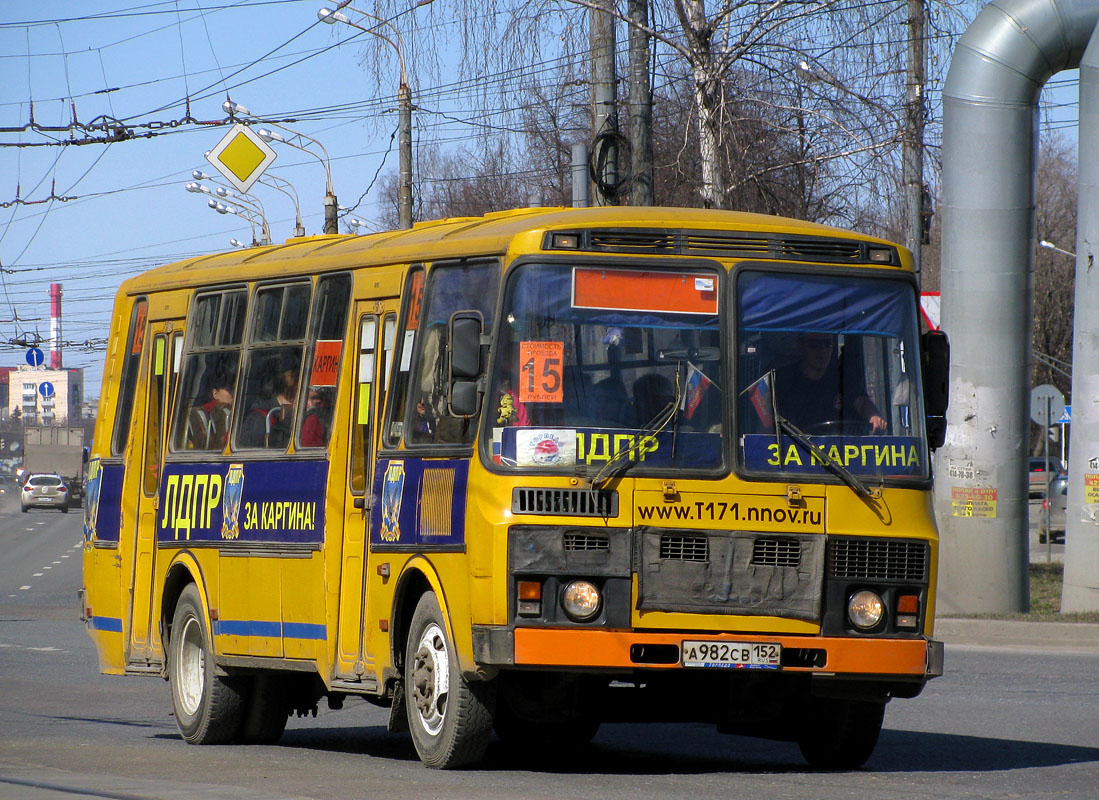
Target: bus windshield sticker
x,y
540,372
861,455
544,448
635,290
326,362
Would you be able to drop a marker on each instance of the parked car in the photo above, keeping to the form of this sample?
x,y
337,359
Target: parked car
x,y
1038,475
1056,504
42,490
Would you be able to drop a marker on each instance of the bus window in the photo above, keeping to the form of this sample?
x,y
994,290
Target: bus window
x,y
158,381
365,380
326,342
828,358
450,288
130,365
414,292
268,392
591,361
209,372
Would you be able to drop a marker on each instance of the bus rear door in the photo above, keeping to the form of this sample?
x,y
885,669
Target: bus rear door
x,y
162,340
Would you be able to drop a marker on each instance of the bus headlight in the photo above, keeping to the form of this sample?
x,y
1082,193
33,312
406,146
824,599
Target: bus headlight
x,y
581,600
865,609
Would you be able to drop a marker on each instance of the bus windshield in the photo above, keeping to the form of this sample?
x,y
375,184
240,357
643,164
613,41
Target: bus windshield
x,y
830,363
600,368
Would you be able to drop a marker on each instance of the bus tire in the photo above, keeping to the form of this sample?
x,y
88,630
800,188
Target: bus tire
x,y
267,710
450,718
841,734
209,708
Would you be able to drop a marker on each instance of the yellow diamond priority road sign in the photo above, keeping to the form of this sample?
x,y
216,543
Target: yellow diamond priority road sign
x,y
241,156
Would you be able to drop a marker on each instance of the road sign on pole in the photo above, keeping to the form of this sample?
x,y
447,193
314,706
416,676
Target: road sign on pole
x,y
241,156
35,357
1047,404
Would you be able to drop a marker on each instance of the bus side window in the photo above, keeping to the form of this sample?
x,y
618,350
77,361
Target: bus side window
x,y
405,341
130,366
208,372
450,288
268,392
154,423
326,338
362,413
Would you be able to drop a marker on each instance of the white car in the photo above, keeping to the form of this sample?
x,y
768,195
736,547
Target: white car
x,y
1057,503
42,490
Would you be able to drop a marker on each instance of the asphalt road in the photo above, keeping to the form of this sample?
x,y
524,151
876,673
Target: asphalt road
x,y
1003,722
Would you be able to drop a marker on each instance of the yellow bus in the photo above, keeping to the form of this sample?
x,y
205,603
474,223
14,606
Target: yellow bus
x,y
522,474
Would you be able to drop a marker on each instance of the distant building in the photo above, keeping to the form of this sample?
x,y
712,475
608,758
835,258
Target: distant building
x,y
24,392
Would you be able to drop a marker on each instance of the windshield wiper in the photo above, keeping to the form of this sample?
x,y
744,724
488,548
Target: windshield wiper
x,y
654,426
836,468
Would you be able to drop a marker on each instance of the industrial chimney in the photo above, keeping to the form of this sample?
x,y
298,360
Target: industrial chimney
x,y
55,326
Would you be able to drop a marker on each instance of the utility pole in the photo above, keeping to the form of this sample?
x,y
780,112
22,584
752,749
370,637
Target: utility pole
x,y
604,100
912,164
404,99
641,105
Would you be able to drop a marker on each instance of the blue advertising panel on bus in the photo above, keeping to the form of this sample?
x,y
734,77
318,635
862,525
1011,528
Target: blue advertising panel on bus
x,y
277,502
103,502
566,447
421,503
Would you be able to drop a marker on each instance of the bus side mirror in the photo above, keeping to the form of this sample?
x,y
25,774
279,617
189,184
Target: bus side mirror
x,y
935,354
463,396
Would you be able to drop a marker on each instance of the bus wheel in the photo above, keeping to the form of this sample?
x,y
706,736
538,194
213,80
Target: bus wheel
x,y
841,734
449,717
209,708
268,710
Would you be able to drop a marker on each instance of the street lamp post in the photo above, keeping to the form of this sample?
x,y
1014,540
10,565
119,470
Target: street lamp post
x,y
404,99
1051,246
331,224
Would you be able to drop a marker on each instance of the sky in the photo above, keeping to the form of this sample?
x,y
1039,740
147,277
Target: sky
x,y
87,213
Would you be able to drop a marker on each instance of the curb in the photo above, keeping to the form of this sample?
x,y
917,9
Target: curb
x,y
1081,637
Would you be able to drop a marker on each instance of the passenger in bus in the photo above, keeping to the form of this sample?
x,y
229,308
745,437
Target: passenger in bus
x,y
317,422
812,394
208,423
268,422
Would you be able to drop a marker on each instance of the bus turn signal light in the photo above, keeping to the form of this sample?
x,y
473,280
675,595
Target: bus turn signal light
x,y
530,598
908,608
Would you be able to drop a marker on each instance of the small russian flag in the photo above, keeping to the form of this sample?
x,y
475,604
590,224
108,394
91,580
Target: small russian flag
x,y
697,384
760,394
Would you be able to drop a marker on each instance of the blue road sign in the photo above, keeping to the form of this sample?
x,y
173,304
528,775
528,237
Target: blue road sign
x,y
45,388
35,357
1067,416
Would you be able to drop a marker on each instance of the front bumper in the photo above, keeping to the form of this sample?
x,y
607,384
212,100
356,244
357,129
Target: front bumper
x,y
616,650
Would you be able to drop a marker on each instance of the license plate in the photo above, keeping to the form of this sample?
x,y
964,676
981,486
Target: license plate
x,y
732,655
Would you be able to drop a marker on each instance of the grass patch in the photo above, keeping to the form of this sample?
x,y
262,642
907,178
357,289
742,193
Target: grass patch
x,y
1045,599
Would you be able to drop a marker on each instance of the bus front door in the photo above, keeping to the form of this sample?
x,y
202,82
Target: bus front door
x,y
375,322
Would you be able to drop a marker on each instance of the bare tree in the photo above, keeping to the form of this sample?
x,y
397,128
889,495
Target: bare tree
x,y
1054,272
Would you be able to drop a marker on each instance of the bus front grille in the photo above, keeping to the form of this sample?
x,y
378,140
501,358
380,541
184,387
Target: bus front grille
x,y
877,559
564,502
770,551
684,548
